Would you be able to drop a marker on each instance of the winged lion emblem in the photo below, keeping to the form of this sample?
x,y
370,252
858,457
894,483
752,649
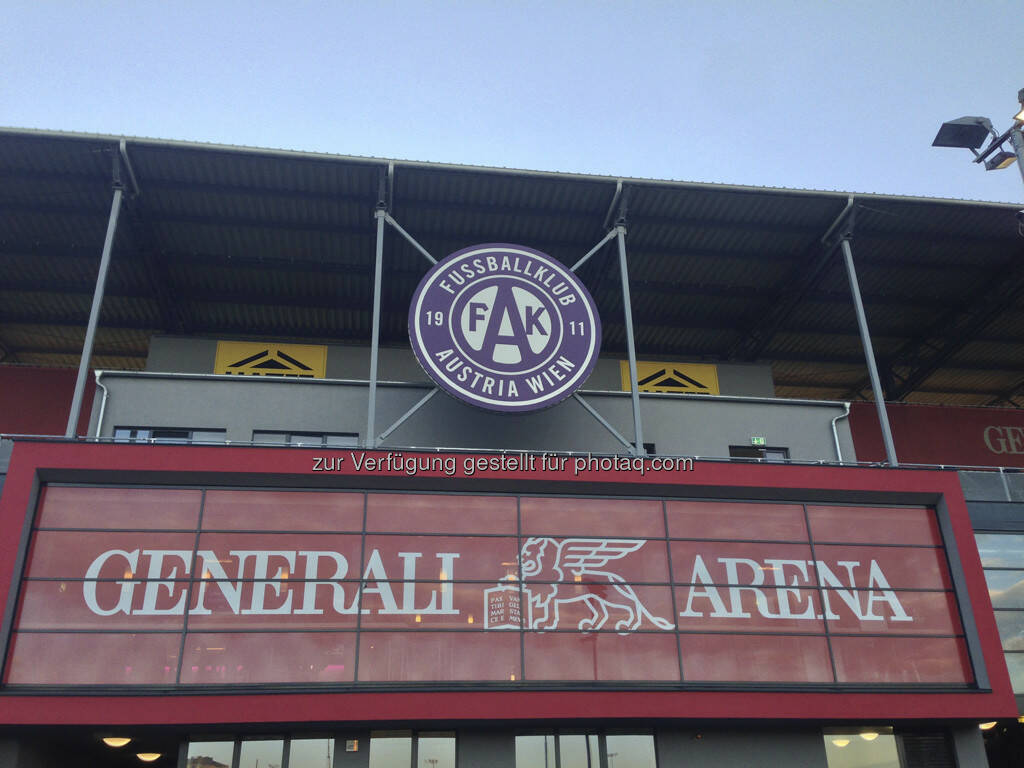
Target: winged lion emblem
x,y
548,563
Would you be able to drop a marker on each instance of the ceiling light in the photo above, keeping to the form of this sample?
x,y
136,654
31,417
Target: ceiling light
x,y
148,757
869,735
987,726
115,741
840,742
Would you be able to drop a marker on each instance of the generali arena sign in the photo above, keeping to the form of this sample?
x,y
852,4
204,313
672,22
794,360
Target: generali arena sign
x,y
186,587
504,327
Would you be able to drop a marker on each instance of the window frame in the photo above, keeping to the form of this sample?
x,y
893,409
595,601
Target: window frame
x,y
601,735
148,435
780,454
290,443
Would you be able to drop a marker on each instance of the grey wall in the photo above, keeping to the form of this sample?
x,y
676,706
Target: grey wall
x,y
711,748
186,354
969,746
685,425
23,754
486,749
358,759
6,449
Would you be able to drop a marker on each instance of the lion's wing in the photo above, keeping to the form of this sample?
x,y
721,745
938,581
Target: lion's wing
x,y
583,555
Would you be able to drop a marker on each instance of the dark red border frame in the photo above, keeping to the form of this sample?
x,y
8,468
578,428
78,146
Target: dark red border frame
x,y
32,462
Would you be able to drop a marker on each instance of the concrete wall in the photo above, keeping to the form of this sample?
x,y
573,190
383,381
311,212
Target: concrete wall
x,y
183,354
686,425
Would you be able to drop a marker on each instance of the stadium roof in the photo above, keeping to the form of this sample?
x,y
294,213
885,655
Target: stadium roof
x,y
227,241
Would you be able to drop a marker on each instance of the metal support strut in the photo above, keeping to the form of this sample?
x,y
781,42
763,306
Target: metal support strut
x,y
97,300
869,352
405,416
370,439
627,309
410,238
618,204
381,214
602,420
592,251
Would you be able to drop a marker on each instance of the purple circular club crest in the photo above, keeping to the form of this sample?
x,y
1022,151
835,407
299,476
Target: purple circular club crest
x,y
504,327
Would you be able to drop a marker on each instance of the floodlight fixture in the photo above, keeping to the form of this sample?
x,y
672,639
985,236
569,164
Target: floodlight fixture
x,y
970,133
965,132
1000,160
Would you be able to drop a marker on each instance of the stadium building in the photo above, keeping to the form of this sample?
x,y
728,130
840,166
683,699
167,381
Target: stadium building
x,y
314,461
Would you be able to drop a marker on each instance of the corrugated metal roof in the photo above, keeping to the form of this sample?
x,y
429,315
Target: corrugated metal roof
x,y
237,241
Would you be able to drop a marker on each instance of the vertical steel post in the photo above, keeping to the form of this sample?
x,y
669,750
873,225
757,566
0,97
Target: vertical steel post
x,y
869,353
627,309
370,440
97,304
1017,140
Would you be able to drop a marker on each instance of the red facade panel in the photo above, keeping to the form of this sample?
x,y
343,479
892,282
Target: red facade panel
x,y
76,507
417,513
722,520
942,435
626,589
429,656
240,658
270,510
75,659
570,516
37,401
902,660
601,657
756,658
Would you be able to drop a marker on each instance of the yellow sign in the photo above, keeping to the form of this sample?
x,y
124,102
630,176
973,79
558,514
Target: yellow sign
x,y
688,378
255,358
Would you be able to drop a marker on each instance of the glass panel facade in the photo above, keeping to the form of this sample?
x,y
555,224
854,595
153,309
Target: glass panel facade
x,y
535,751
209,754
1006,588
186,587
578,751
261,754
1002,557
627,751
866,748
311,753
435,750
387,749
390,750
585,750
1001,550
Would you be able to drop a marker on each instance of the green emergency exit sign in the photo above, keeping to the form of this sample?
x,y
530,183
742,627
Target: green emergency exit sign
x,y
757,440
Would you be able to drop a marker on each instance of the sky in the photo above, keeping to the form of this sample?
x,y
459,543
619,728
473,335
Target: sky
x,y
819,94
